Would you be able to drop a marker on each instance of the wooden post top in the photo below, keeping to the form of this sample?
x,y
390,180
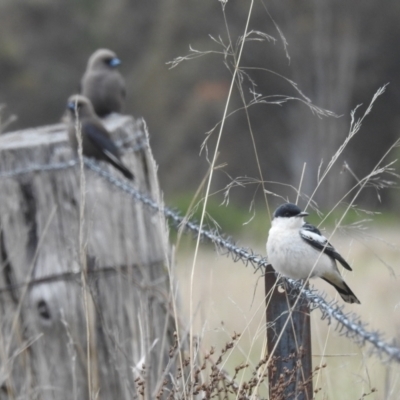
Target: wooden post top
x,y
128,310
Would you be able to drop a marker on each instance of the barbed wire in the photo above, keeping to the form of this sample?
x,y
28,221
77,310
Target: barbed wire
x,y
349,324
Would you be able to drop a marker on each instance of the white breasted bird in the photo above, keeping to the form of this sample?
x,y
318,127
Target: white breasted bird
x,y
294,249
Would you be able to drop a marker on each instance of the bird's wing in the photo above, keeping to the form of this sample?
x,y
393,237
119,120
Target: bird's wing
x,y
104,147
98,137
314,238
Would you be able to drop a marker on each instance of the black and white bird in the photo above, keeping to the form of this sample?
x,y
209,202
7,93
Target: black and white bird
x,y
298,250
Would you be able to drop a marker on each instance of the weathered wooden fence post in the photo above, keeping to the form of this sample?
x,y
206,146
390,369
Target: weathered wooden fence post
x,y
46,328
290,371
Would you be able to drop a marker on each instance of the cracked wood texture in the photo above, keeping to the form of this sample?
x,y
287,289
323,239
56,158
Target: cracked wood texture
x,y
46,327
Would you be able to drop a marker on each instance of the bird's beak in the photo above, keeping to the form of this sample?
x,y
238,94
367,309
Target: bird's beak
x,y
115,62
303,214
71,106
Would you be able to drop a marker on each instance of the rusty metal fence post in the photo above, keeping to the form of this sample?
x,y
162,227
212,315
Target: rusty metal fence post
x,y
290,369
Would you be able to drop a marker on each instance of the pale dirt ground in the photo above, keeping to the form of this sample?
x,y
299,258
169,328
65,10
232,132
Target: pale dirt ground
x,y
228,297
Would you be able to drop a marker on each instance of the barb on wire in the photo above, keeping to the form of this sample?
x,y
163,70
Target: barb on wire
x,y
349,324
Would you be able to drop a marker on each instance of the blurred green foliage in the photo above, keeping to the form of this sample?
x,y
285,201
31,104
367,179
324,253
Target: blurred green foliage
x,y
227,219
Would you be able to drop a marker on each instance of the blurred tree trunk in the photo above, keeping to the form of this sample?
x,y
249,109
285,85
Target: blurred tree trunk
x,y
323,45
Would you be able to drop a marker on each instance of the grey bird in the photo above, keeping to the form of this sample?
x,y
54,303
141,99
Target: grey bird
x,y
298,250
102,83
96,140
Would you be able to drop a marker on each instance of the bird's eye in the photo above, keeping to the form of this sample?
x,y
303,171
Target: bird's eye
x,y
74,105
287,214
108,60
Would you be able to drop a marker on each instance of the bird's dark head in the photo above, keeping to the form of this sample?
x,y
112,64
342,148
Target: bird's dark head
x,y
103,59
288,210
79,105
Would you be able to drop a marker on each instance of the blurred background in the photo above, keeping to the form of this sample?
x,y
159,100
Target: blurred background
x,y
337,52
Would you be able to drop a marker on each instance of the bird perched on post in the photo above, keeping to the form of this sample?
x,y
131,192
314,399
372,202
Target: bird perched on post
x,y
102,83
298,250
96,141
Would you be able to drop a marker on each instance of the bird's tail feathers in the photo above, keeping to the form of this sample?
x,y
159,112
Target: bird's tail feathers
x,y
345,292
119,165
